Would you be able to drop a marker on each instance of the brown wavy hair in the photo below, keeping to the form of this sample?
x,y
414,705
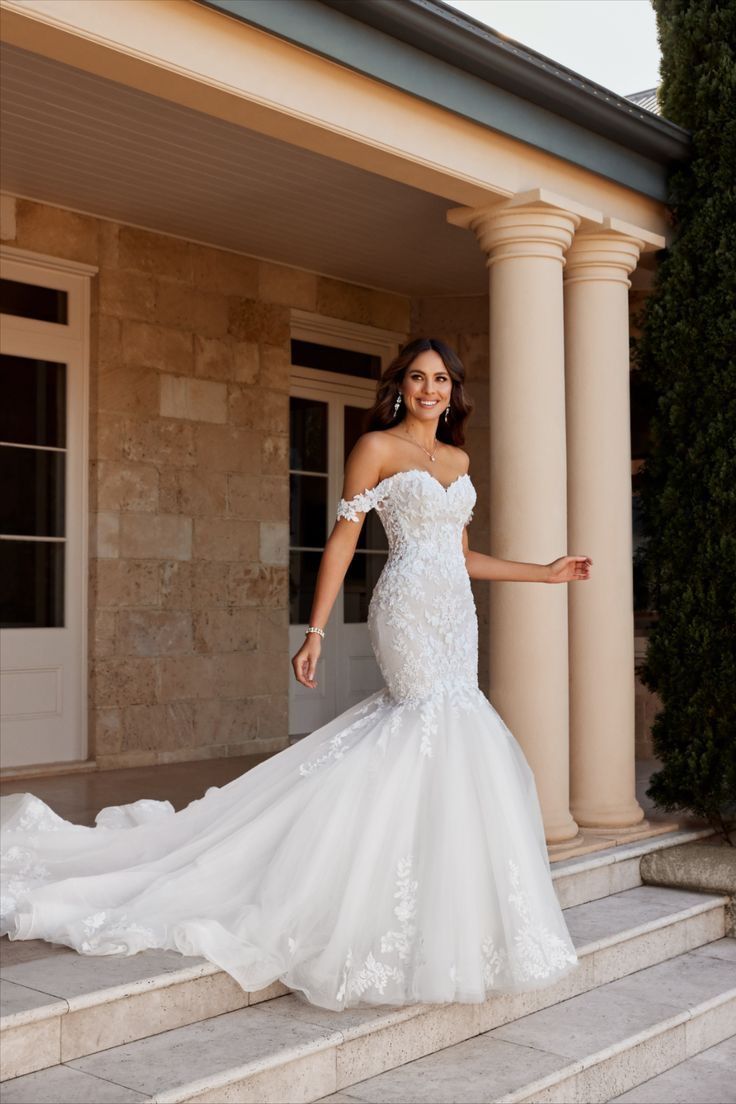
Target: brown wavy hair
x,y
381,414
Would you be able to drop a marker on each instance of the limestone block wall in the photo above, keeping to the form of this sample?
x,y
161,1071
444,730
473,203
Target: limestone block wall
x,y
189,379
463,323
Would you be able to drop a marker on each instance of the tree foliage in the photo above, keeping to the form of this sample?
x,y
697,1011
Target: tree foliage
x,y
687,355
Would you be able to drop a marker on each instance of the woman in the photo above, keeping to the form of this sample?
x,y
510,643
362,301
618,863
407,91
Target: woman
x,y
396,855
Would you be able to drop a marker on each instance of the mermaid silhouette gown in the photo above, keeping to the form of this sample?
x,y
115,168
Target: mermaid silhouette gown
x,y
395,855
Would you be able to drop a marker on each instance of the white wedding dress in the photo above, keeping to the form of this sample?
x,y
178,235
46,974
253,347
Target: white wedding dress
x,y
396,855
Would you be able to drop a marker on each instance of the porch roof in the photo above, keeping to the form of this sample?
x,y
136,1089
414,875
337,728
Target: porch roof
x,y
433,51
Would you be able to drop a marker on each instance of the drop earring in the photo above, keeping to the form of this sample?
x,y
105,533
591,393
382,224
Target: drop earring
x,y
447,412
397,404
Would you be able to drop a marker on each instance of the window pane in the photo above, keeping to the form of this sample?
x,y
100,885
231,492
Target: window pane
x,y
33,409
31,492
309,354
308,510
372,535
361,577
31,585
354,425
31,301
308,435
303,567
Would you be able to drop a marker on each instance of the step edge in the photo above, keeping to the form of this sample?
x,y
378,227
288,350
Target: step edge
x,y
656,924
182,1093
579,1065
108,995
333,1040
620,852
159,982
222,1079
28,1016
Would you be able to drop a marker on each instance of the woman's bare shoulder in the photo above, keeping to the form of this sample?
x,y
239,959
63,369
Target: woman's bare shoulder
x,y
460,457
371,446
364,465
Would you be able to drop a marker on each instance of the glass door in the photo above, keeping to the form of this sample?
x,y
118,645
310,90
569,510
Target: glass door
x,y
357,671
43,430
325,423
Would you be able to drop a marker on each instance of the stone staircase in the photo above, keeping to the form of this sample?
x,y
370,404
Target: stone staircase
x,y
656,986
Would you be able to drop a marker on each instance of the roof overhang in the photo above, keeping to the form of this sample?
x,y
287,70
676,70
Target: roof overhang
x,y
434,52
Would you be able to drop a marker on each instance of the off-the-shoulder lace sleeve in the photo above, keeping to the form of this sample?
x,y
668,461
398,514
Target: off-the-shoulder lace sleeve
x,y
469,518
360,504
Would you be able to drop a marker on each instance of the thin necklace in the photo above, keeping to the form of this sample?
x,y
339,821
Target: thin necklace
x,y
431,455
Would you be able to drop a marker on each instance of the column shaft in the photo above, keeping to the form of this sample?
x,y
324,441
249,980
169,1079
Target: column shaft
x,y
602,713
528,621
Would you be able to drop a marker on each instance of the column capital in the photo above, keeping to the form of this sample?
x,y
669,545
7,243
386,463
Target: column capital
x,y
602,255
609,252
538,223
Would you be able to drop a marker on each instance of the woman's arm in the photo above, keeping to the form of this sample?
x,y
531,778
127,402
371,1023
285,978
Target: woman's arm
x,y
566,569
362,471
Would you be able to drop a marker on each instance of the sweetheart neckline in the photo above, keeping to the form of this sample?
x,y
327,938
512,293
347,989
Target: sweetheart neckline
x,y
423,471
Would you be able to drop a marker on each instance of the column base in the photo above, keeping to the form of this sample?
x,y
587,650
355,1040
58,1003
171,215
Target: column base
x,y
620,830
631,817
561,833
588,841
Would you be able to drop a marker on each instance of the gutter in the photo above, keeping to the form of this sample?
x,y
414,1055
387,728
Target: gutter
x,y
461,41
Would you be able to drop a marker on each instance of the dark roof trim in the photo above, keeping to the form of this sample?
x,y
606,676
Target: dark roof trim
x,y
417,68
449,34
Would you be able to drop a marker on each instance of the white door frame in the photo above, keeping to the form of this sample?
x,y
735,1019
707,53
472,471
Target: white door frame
x,y
69,344
309,709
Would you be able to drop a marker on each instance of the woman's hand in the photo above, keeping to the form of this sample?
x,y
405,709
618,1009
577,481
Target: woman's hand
x,y
305,660
567,569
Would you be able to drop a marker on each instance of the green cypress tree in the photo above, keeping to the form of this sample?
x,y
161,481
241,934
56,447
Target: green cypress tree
x,y
687,355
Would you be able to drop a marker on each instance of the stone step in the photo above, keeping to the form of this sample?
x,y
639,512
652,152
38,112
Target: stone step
x,y
705,1079
51,1011
286,1049
592,1048
56,1004
592,876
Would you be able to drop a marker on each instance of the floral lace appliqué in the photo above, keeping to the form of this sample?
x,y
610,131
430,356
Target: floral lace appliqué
x,y
336,745
108,932
540,951
359,504
374,974
421,618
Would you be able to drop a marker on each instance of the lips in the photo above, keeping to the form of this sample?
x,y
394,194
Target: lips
x,y
428,404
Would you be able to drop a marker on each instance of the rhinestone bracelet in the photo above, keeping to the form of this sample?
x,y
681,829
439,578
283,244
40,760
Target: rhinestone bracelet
x,y
314,629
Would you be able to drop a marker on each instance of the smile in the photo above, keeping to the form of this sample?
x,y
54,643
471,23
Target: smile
x,y
428,402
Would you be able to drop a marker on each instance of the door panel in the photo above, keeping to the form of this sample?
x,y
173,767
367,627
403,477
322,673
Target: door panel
x,y
42,517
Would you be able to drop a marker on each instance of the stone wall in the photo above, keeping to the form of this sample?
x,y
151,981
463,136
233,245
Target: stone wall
x,y
463,323
188,619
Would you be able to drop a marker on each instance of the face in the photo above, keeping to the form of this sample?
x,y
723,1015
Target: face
x,y
426,386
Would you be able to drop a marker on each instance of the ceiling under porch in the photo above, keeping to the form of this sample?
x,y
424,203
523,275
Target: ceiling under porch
x,y
80,141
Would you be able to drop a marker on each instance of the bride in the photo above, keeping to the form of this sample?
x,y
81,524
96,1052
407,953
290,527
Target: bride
x,y
395,855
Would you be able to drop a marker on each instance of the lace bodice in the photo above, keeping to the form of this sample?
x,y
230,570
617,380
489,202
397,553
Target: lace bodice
x,y
421,619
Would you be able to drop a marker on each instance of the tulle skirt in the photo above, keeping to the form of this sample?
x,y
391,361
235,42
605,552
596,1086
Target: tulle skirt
x,y
396,855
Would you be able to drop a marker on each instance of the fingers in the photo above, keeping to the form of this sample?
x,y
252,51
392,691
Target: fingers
x,y
582,566
304,670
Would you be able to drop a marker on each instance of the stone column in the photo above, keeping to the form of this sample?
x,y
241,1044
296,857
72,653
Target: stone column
x,y
525,239
601,619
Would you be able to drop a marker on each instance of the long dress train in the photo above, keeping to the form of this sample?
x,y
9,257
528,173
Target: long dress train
x,y
395,855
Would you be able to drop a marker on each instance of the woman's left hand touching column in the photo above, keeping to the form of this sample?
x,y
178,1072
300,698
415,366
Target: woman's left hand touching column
x,y
568,569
